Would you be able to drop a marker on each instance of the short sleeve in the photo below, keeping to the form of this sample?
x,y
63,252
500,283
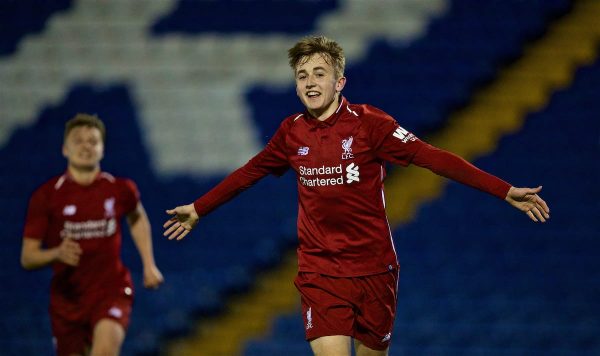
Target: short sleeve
x,y
130,195
390,141
36,221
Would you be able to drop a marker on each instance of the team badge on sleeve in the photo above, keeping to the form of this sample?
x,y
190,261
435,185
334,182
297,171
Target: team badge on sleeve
x,y
403,135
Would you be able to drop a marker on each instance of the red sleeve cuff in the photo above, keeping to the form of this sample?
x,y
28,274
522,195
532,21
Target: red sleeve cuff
x,y
501,190
199,207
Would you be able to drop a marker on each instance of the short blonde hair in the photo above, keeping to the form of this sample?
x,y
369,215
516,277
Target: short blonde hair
x,y
88,120
307,46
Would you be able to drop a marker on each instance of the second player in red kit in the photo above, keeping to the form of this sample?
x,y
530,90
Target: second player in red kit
x,y
348,269
74,224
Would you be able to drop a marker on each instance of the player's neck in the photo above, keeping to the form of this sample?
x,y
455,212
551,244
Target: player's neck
x,y
325,114
83,176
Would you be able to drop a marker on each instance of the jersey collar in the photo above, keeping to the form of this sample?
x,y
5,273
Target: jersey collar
x,y
330,121
99,176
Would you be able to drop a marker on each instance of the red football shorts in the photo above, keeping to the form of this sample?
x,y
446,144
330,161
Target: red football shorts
x,y
360,307
73,321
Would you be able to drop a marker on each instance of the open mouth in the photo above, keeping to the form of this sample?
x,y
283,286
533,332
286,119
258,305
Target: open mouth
x,y
85,155
313,94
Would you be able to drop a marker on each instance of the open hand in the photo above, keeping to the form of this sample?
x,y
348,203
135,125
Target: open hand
x,y
183,221
528,201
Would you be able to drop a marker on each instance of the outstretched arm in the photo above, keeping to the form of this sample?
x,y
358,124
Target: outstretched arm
x,y
528,201
185,217
272,159
396,145
456,168
139,225
183,221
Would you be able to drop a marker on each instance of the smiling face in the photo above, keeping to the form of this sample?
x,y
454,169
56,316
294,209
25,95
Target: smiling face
x,y
317,85
84,148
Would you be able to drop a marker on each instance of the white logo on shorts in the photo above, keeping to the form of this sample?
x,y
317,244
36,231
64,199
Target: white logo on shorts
x,y
387,337
309,324
116,312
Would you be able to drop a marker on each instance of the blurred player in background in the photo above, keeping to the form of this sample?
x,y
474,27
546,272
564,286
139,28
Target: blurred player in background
x,y
74,224
348,269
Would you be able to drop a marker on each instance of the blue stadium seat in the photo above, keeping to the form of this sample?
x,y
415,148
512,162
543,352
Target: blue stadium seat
x,y
467,287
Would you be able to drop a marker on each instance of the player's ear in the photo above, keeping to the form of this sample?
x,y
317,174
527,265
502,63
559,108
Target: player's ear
x,y
64,151
340,83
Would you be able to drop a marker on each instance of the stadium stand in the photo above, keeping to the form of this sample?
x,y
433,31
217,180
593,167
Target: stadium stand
x,y
496,285
249,16
18,20
420,84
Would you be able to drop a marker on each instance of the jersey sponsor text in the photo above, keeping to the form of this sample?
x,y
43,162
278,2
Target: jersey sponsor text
x,y
89,229
315,173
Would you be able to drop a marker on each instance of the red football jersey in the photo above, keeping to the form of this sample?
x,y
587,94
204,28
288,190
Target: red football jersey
x,y
91,215
339,163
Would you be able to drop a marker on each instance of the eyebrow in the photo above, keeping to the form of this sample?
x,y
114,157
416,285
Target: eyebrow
x,y
314,69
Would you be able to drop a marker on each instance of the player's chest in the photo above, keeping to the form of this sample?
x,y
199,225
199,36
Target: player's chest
x,y
80,205
328,146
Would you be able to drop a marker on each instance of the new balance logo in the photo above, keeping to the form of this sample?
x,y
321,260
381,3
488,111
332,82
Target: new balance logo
x,y
302,151
352,173
69,210
403,135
